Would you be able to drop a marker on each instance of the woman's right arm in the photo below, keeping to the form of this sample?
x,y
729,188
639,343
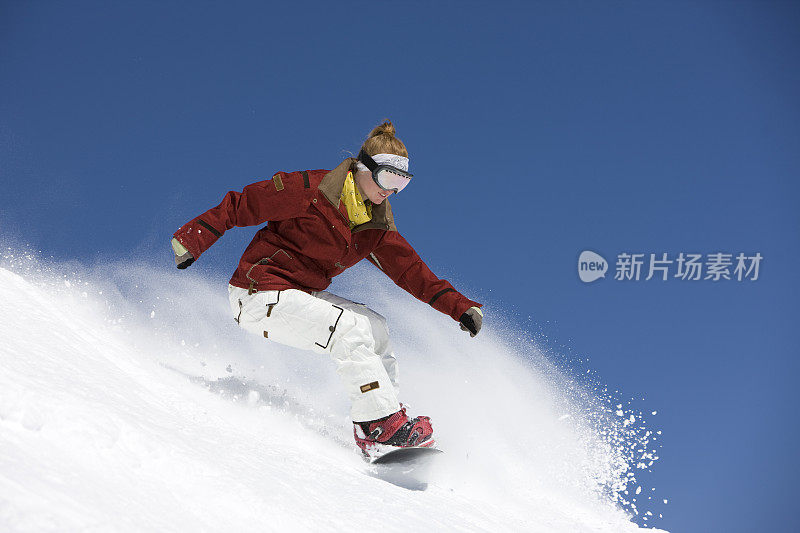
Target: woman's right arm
x,y
282,197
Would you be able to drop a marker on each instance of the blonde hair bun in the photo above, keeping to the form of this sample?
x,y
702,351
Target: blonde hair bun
x,y
382,140
387,128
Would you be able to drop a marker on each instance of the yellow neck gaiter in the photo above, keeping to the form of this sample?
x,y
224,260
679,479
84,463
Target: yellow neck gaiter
x,y
358,210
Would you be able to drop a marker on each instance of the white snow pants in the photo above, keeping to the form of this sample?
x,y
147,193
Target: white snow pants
x,y
355,336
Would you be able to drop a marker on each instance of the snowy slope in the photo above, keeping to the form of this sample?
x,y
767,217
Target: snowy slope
x,y
130,401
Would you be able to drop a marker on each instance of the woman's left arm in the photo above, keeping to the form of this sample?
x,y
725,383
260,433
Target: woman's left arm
x,y
398,260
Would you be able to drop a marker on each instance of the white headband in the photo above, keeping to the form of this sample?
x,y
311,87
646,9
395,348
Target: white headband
x,y
394,160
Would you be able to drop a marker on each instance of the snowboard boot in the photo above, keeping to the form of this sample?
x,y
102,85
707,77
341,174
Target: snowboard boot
x,y
392,432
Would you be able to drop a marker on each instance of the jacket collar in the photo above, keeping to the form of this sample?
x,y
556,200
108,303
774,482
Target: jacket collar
x,y
331,187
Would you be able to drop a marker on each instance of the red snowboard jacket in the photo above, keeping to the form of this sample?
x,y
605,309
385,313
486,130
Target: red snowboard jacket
x,y
308,240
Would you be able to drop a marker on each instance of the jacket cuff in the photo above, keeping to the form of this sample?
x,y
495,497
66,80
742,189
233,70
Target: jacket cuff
x,y
197,236
464,308
453,303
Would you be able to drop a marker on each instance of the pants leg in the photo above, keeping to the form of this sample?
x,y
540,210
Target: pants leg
x,y
380,334
325,323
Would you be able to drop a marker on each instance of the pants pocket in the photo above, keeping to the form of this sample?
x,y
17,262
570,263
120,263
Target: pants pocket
x,y
311,322
258,306
331,324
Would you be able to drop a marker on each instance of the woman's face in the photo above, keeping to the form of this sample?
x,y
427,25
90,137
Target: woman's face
x,y
369,188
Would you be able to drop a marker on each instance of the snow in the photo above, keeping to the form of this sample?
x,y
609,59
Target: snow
x,y
131,401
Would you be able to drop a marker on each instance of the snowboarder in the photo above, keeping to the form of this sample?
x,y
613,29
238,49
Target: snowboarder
x,y
320,223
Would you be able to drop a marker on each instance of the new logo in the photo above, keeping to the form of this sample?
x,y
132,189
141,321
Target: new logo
x,y
591,266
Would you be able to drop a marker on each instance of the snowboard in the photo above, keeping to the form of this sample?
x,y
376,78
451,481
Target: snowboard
x,y
407,456
407,467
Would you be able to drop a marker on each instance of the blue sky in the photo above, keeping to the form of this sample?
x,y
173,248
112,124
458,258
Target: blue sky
x,y
536,131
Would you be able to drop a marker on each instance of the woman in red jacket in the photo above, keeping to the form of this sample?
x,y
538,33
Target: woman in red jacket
x,y
320,223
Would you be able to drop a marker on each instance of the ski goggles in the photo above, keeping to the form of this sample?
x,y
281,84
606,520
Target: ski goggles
x,y
388,177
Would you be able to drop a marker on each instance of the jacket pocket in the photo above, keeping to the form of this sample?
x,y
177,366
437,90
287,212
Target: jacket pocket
x,y
277,255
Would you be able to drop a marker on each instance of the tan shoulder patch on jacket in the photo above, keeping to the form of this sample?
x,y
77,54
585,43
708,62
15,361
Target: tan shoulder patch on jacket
x,y
276,179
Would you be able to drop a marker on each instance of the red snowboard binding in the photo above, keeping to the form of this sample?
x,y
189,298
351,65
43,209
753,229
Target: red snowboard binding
x,y
379,437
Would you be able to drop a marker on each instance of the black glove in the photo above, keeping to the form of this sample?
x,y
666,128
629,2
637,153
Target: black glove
x,y
471,320
182,256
